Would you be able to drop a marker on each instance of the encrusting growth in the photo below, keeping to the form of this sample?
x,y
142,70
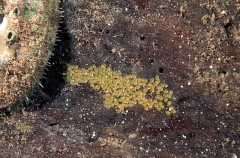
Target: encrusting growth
x,y
27,35
122,91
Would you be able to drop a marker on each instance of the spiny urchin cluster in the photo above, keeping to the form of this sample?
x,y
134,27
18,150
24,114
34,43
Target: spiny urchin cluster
x,y
27,35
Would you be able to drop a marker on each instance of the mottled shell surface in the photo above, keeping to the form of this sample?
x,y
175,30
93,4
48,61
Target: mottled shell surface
x,y
27,35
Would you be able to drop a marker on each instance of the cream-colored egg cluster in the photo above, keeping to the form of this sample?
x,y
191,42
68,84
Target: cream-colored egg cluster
x,y
123,91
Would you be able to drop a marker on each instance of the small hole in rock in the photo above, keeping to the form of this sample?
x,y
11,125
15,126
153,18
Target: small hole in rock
x,y
15,11
227,26
191,135
100,30
53,124
107,32
161,70
10,35
151,61
221,71
142,38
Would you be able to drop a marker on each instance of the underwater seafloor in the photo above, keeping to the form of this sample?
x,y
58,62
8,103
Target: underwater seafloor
x,y
192,46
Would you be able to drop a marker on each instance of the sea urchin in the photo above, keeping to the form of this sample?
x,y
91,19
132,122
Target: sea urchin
x,y
27,35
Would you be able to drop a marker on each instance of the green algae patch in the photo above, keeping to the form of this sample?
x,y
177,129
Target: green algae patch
x,y
123,91
30,10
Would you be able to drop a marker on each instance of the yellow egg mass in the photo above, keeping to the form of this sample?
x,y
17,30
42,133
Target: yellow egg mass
x,y
123,91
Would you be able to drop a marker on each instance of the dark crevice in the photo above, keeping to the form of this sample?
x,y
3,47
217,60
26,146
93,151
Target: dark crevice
x,y
53,80
161,70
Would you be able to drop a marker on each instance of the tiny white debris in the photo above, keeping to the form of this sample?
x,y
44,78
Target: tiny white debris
x,y
94,134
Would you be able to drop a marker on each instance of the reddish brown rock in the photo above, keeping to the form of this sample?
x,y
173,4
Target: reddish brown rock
x,y
192,46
